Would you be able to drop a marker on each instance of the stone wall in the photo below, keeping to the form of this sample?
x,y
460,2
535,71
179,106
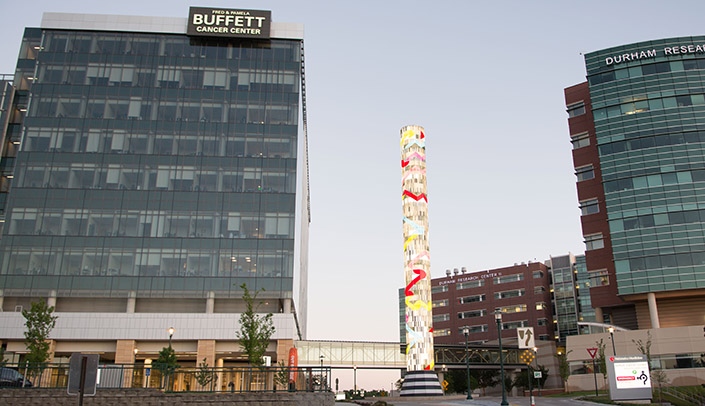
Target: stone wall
x,y
153,397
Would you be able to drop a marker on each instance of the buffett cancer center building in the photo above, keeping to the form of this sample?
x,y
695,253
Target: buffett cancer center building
x,y
150,167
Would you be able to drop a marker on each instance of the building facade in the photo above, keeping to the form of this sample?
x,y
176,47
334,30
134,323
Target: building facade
x,y
521,292
151,168
638,132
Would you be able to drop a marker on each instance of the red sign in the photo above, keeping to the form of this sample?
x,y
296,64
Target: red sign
x,y
293,363
592,352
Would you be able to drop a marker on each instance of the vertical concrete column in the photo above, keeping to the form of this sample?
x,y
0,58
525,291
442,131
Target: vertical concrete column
x,y
210,302
206,349
2,299
51,300
653,310
125,351
283,347
286,306
598,315
125,354
131,302
219,364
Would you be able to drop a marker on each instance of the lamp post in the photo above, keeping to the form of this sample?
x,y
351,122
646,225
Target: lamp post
x,y
498,318
354,380
466,332
611,330
321,358
536,358
171,331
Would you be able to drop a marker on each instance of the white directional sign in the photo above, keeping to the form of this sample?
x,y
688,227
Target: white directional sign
x,y
525,335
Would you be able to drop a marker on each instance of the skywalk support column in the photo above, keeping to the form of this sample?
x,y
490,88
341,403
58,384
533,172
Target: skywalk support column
x,y
420,379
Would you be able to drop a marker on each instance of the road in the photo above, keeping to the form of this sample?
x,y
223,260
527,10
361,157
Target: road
x,y
484,401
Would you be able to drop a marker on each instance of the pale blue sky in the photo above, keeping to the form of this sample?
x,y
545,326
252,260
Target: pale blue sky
x,y
485,79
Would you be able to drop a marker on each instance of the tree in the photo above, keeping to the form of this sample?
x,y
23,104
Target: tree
x,y
486,378
39,320
564,367
166,364
3,361
205,374
601,360
281,377
255,330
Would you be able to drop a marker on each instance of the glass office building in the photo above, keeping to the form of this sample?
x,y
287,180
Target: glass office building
x,y
148,174
638,131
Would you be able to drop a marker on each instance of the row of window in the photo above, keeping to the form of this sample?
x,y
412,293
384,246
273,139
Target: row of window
x,y
147,262
660,140
650,69
105,223
648,105
166,45
661,179
137,108
653,220
659,262
159,177
174,76
49,139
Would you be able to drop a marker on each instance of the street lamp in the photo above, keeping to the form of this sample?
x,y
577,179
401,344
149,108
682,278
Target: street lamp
x,y
466,332
498,319
354,379
536,358
170,330
321,358
611,330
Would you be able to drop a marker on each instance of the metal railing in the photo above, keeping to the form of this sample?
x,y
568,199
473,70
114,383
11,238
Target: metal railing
x,y
185,379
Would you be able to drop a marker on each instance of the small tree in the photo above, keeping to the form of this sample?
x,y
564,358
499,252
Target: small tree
x,y
601,360
166,364
564,368
3,361
658,376
205,374
281,377
255,330
39,320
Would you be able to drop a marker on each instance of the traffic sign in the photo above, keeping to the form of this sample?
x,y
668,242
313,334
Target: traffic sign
x,y
445,385
592,352
527,357
525,335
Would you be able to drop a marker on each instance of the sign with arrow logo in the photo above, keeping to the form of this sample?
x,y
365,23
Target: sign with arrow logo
x,y
525,335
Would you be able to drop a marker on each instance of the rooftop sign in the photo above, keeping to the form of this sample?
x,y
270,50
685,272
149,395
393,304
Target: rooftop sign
x,y
229,23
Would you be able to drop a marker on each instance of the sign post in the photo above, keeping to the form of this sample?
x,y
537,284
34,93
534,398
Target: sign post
x,y
593,352
527,357
83,374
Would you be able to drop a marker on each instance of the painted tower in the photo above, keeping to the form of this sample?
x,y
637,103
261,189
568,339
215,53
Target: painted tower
x,y
420,379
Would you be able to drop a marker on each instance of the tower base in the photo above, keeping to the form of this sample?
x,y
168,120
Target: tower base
x,y
421,383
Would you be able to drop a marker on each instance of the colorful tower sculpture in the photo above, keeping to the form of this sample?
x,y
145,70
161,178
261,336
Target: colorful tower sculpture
x,y
420,379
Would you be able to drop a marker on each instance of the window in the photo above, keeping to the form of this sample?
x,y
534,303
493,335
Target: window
x,y
585,173
594,242
441,333
539,289
471,299
509,278
439,289
580,140
513,309
589,206
509,293
541,306
474,329
542,322
439,303
441,317
515,324
599,278
538,274
472,284
576,109
472,313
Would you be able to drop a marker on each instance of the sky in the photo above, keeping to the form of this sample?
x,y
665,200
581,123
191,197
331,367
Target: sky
x,y
485,80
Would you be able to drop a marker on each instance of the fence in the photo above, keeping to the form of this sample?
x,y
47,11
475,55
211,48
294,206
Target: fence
x,y
187,379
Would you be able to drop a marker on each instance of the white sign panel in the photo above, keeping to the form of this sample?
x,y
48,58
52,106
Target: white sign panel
x,y
632,375
525,335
